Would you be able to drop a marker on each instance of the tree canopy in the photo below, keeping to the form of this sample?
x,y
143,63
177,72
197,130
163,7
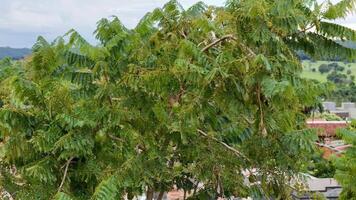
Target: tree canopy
x,y
198,99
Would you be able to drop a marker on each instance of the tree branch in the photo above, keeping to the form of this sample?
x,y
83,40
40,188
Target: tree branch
x,y
261,125
149,193
233,150
230,36
65,174
160,195
115,138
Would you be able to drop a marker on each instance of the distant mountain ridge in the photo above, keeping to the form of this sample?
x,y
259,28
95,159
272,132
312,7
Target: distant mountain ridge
x,y
14,53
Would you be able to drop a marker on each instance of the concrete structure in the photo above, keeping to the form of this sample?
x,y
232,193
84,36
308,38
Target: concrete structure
x,y
330,106
346,111
347,105
343,114
352,113
326,187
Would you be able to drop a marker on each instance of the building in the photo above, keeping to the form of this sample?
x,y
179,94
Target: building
x,y
347,110
326,129
322,187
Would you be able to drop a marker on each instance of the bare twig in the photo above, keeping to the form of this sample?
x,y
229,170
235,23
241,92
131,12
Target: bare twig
x,y
235,151
230,36
261,125
65,174
183,34
106,76
115,138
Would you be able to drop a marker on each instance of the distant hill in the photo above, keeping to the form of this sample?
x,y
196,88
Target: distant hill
x,y
311,69
14,53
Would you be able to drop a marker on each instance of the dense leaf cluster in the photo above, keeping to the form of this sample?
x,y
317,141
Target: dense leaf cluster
x,y
194,99
346,165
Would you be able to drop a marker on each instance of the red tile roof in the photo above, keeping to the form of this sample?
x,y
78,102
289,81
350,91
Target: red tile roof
x,y
327,128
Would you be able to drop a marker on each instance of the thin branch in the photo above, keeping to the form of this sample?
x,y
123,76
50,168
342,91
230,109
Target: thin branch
x,y
235,151
230,36
106,76
261,125
246,48
115,138
303,31
183,34
65,174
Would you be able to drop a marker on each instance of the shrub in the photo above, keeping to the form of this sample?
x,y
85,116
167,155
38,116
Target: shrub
x,y
324,68
330,117
337,78
340,68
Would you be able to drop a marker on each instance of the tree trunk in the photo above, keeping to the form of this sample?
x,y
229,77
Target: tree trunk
x,y
149,194
160,195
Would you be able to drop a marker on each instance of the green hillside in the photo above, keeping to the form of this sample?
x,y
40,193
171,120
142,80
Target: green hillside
x,y
311,69
14,53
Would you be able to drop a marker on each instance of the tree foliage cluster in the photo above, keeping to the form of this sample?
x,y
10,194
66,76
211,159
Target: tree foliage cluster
x,y
326,68
346,165
345,88
190,98
320,167
339,78
344,93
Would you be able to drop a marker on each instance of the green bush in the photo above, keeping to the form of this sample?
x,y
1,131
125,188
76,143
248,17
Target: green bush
x,y
330,116
320,167
337,78
324,68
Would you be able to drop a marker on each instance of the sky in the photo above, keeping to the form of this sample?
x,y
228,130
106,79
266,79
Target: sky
x,y
21,21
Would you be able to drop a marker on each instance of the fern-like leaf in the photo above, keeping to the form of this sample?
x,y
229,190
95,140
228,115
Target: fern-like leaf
x,y
336,31
340,10
106,190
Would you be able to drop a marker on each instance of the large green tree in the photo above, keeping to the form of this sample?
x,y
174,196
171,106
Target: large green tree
x,y
191,98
